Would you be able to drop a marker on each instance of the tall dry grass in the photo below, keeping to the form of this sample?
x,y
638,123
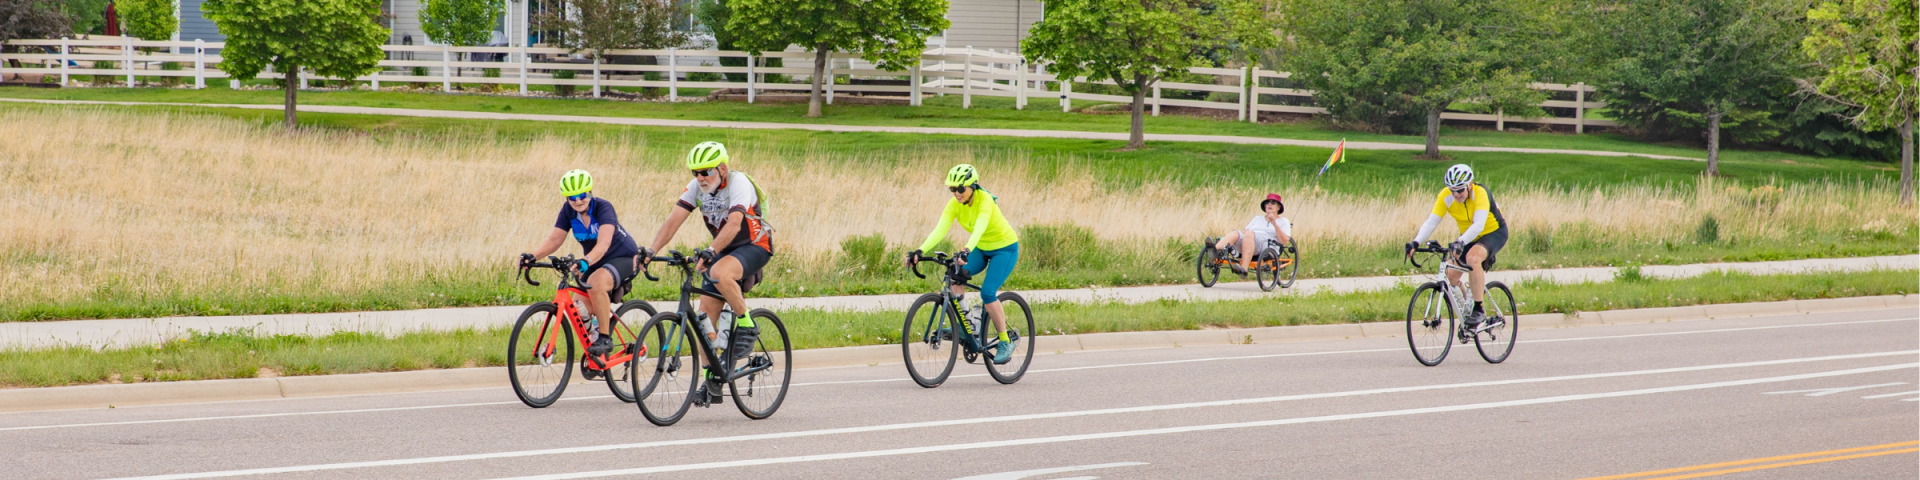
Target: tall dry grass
x,y
113,203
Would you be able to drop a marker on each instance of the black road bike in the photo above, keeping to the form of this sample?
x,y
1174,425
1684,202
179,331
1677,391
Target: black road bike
x,y
936,332
668,374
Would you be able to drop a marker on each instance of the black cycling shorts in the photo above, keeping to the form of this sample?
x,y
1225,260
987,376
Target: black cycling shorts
x,y
623,272
1494,241
752,258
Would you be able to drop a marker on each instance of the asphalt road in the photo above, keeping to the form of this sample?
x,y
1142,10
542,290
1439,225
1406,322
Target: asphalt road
x,y
1796,396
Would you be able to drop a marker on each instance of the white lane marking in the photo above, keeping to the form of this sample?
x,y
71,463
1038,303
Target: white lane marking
x,y
1375,350
1204,428
1821,392
287,414
843,382
985,420
1048,471
1890,395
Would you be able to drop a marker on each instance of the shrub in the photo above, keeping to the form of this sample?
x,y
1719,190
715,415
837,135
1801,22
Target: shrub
x,y
866,255
1537,239
170,67
708,76
419,72
1058,246
563,90
104,80
1708,231
652,92
1630,273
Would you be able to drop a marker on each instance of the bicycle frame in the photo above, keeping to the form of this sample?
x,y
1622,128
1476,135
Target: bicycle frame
x,y
1276,264
689,315
1459,295
563,299
955,275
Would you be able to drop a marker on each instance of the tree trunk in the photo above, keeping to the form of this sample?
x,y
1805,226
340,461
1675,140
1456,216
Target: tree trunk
x,y
1906,160
821,56
1433,131
1713,143
292,85
1137,136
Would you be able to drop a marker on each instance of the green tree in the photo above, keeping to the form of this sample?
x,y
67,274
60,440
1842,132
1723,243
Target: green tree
x,y
889,33
1869,59
460,23
596,26
1136,43
1401,63
149,19
1717,63
714,14
334,38
89,16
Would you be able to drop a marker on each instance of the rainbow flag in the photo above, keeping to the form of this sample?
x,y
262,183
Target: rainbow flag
x,y
1339,155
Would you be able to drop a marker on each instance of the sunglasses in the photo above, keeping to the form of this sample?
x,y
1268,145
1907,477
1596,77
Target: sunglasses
x,y
703,172
583,196
1458,190
956,189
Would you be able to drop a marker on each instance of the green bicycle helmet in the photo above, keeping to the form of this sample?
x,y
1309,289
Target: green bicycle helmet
x,y
576,182
962,175
706,155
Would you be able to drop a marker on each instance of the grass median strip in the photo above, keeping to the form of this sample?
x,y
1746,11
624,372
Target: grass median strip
x,y
242,355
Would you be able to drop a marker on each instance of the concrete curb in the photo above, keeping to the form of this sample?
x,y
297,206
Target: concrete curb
x,y
103,396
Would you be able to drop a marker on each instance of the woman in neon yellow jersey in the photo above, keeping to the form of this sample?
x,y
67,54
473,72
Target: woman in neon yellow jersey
x,y
992,245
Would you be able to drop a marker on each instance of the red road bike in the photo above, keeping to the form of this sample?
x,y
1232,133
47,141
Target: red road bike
x,y
540,355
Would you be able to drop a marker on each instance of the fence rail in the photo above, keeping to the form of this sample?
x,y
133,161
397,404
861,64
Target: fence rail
x,y
966,72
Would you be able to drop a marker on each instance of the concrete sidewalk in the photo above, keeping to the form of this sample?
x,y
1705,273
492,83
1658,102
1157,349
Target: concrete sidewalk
x,y
125,332
992,132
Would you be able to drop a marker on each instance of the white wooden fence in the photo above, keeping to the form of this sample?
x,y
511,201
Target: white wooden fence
x,y
966,72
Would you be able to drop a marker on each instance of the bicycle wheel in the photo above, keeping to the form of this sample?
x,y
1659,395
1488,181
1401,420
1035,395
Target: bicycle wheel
x,y
759,395
1430,324
1291,269
540,355
1497,342
1021,332
927,341
664,378
1265,272
1204,266
618,374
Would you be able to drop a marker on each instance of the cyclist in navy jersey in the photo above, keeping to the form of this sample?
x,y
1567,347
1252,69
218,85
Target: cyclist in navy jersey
x,y
610,251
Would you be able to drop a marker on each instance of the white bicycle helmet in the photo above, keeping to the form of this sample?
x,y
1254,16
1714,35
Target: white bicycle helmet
x,y
1459,175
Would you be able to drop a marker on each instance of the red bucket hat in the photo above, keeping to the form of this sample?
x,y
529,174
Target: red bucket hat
x,y
1275,198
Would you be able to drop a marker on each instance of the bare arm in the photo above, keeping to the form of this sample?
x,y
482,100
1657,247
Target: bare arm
x,y
600,248
1279,234
551,244
671,227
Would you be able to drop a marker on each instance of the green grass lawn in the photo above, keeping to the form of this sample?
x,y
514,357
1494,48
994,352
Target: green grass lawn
x,y
241,355
987,112
1192,164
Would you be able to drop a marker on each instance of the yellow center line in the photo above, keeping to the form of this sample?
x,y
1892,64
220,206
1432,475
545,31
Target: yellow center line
x,y
1763,460
1787,464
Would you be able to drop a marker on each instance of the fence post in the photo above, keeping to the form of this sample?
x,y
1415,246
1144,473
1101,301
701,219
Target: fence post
x,y
1499,120
446,70
913,84
1252,96
750,61
303,78
127,51
1156,99
1020,84
673,84
63,61
1580,107
199,64
1066,95
966,80
596,75
523,60
829,73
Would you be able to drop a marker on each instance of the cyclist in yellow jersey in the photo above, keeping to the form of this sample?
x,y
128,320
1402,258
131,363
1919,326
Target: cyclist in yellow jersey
x,y
1483,232
992,245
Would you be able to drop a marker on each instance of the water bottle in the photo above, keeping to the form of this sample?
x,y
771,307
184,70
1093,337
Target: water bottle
x,y
700,321
974,316
591,324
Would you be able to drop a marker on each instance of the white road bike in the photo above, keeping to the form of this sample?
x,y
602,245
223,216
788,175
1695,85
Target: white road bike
x,y
1432,314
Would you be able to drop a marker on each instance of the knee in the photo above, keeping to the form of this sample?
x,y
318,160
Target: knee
x,y
726,269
